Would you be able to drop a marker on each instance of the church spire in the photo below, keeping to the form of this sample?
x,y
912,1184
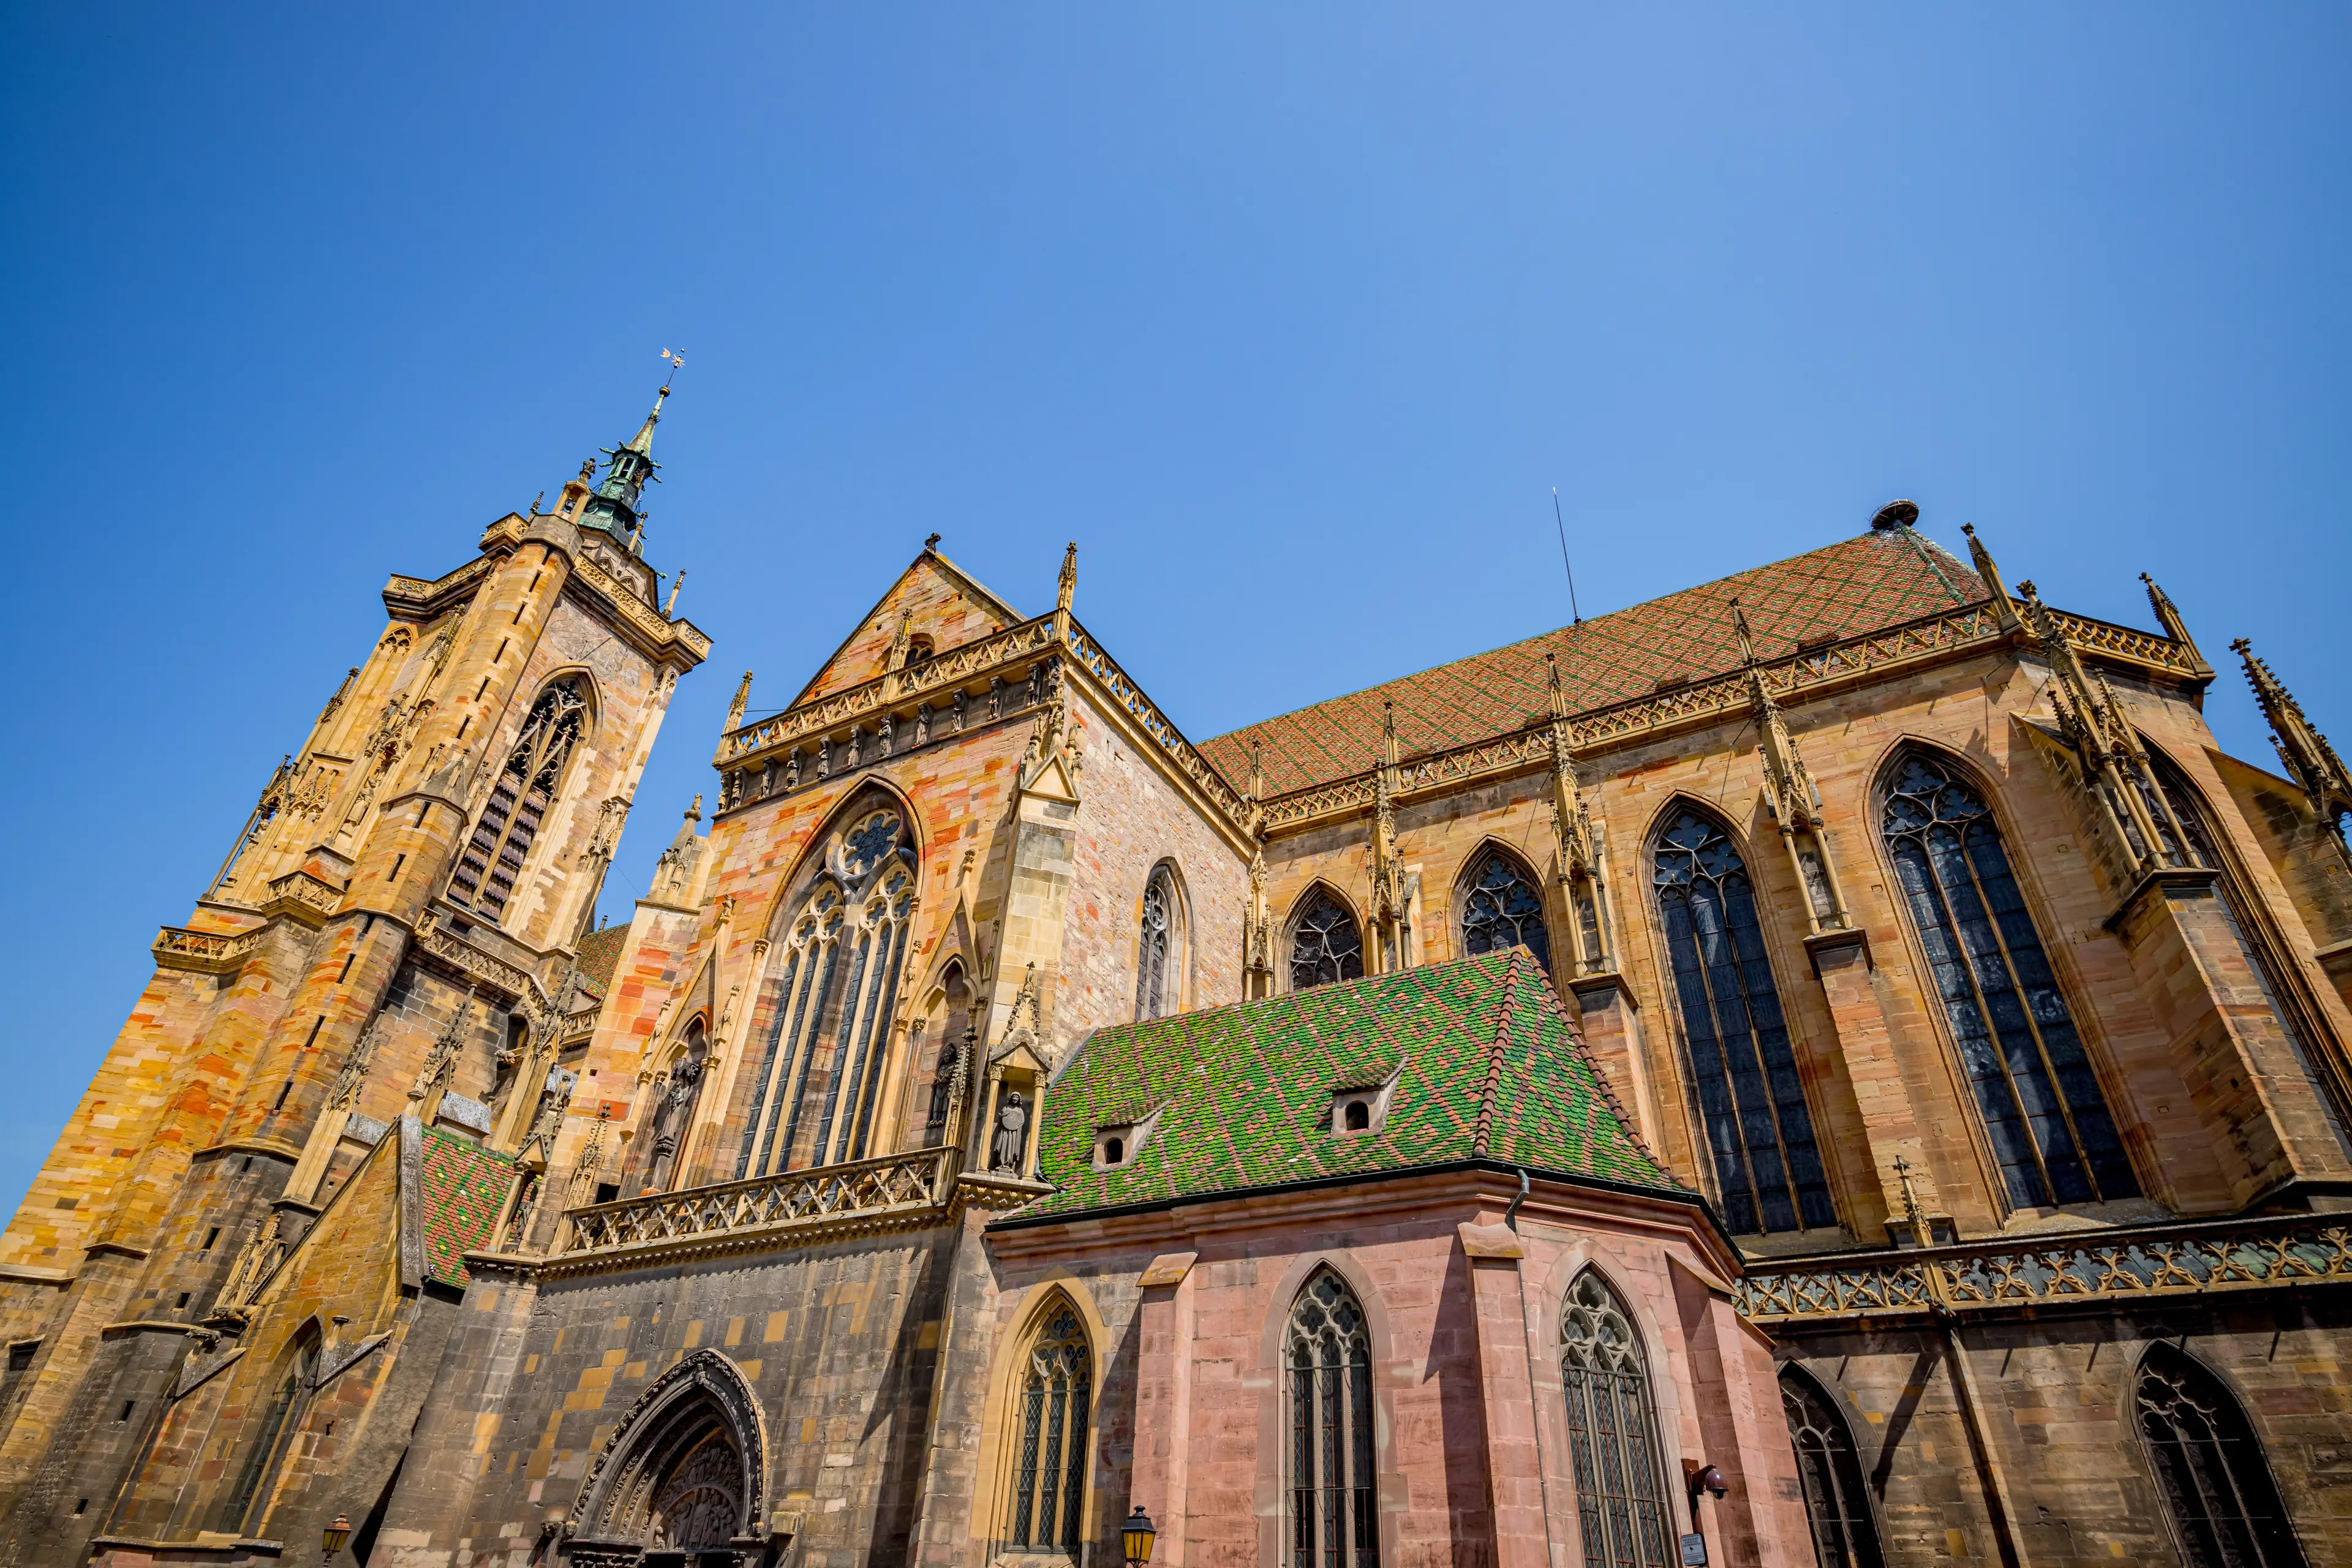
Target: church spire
x,y
614,508
2301,746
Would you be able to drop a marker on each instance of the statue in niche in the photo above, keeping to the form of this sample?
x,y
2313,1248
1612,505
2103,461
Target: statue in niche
x,y
793,768
857,737
996,697
959,712
923,724
672,1118
882,736
1011,1135
825,759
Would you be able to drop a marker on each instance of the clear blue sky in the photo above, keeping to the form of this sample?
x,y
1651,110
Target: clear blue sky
x,y
1291,317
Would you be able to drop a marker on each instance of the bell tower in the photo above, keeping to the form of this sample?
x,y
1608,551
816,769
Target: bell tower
x,y
392,933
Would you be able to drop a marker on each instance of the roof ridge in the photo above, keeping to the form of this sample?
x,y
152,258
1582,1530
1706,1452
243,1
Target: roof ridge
x,y
1481,1138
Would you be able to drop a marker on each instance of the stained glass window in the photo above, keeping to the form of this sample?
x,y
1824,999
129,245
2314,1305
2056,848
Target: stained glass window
x,y
2043,1112
1612,1435
1049,1478
2209,1470
1333,1522
1155,991
1502,909
1844,1534
1758,1129
1325,944
520,798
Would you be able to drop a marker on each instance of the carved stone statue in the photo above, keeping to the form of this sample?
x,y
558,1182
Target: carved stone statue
x,y
1012,1136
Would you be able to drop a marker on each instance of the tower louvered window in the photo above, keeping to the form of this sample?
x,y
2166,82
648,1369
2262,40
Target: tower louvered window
x,y
1325,944
1613,1431
1155,987
2209,1470
523,794
820,1075
1049,1476
1333,1520
2044,1114
1503,910
1758,1129
1836,1504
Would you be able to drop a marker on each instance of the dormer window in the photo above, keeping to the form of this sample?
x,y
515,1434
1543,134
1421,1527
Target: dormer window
x,y
1356,1112
1118,1145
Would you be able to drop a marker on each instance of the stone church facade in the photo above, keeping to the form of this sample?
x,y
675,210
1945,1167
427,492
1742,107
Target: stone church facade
x,y
1833,1066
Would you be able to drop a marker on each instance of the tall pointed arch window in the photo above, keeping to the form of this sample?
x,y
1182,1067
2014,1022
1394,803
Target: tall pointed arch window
x,y
837,985
1157,943
1049,1470
1836,1505
1502,909
1613,1431
1326,944
2044,1114
524,792
2225,1507
273,1435
1759,1132
1327,1361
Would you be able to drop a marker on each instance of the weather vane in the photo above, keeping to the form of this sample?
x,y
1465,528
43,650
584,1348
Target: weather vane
x,y
676,362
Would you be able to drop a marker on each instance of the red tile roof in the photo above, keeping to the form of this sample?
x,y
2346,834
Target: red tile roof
x,y
1843,590
600,952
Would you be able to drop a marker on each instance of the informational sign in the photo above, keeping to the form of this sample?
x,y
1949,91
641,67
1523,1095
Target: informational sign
x,y
1694,1551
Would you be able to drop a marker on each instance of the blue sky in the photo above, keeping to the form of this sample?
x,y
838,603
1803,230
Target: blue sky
x,y
1290,316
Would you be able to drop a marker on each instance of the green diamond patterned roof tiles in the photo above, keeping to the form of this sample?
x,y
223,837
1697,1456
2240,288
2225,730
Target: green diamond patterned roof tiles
x,y
1483,1058
1845,590
464,1186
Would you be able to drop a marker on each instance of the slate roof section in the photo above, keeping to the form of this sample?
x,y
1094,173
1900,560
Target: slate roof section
x,y
1485,1064
1848,589
463,1185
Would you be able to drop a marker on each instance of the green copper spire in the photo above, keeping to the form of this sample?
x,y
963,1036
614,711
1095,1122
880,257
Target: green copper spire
x,y
615,508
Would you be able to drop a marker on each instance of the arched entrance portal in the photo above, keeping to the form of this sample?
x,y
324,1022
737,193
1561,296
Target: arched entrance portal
x,y
681,1482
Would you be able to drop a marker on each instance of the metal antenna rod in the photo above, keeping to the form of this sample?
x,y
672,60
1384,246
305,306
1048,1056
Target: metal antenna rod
x,y
1556,517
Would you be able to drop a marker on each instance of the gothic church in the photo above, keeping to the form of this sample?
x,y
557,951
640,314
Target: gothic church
x,y
1830,1067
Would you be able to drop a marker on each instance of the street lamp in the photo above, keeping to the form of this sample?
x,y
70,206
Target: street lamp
x,y
332,1539
1138,1535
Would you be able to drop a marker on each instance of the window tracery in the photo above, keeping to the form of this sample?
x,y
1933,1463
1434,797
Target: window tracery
x,y
2225,1508
1502,909
525,790
1050,1470
821,1073
1759,1132
1155,982
1611,1431
1334,1522
2043,1112
1836,1505
1326,944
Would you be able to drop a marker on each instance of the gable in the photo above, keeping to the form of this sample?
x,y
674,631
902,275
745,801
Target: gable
x,y
946,605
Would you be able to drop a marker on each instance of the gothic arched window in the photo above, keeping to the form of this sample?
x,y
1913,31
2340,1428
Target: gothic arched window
x,y
1613,1431
2043,1113
1758,1130
1502,909
822,1071
1156,941
1844,1534
2210,1469
1325,944
279,1419
1049,1473
523,794
1328,1359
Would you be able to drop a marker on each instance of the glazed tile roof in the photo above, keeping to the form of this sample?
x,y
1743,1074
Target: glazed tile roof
x,y
464,1186
1485,1061
600,953
1843,590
